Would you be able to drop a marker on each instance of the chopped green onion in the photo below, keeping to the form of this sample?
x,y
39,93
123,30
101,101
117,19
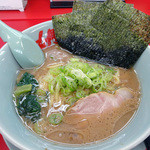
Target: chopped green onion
x,y
48,78
36,128
74,59
51,57
51,86
66,91
69,82
80,94
41,99
82,78
42,96
55,118
71,100
111,70
92,75
40,92
55,71
57,89
76,77
81,65
97,88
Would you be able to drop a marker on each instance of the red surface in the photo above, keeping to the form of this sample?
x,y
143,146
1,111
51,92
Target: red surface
x,y
38,11
35,9
3,146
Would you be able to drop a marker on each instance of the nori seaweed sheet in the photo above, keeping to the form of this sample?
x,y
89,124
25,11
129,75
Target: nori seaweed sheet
x,y
84,6
110,33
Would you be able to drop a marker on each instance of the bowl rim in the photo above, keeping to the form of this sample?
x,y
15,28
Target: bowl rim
x,y
18,145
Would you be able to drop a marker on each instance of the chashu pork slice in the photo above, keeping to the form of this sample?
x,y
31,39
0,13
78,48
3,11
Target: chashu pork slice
x,y
94,105
100,102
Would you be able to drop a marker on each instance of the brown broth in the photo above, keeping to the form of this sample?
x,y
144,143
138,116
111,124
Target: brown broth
x,y
88,128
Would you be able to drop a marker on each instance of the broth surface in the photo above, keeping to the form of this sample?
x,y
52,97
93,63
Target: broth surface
x,y
88,127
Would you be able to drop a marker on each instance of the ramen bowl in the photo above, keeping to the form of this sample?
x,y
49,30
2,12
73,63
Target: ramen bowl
x,y
12,128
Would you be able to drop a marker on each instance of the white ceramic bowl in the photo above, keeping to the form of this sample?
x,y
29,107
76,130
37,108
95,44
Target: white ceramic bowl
x,y
15,132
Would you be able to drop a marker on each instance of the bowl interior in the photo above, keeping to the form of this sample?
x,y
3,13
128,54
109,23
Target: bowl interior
x,y
13,129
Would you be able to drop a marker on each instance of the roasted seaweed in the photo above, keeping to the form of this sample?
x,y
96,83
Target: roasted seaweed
x,y
112,33
84,6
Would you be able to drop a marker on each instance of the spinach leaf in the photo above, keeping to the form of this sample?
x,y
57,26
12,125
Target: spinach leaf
x,y
29,107
28,78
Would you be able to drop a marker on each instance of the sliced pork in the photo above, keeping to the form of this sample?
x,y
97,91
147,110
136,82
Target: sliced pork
x,y
100,102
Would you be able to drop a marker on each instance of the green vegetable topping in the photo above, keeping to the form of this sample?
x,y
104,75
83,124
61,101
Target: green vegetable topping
x,y
80,94
71,100
77,77
74,59
27,97
28,78
55,118
36,128
40,92
42,96
23,89
29,107
55,71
